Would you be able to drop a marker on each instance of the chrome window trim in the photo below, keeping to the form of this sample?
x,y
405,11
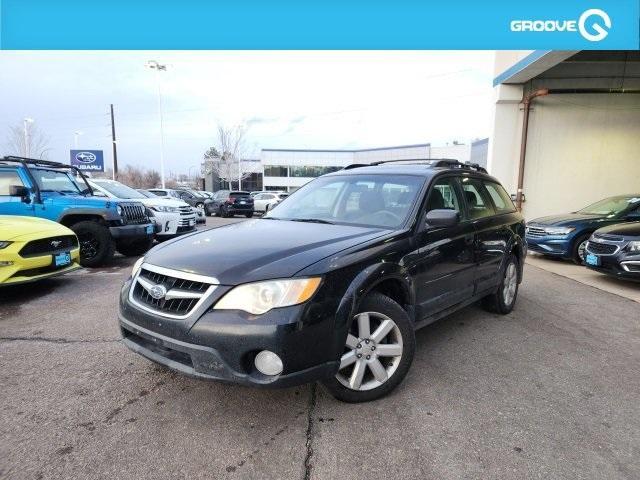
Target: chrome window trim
x,y
214,283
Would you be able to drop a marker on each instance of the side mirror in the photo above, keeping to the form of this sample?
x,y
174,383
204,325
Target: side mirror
x,y
20,191
442,218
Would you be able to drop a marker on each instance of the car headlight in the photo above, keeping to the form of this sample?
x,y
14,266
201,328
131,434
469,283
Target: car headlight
x,y
163,208
260,297
136,266
558,230
119,209
631,246
4,244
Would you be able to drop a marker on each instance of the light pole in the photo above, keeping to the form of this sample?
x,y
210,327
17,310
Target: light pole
x,y
76,134
27,141
158,68
194,178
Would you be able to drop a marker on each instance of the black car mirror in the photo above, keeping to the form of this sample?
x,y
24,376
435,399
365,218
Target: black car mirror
x,y
20,191
442,218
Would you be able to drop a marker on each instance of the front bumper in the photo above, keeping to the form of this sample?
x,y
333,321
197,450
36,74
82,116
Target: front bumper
x,y
550,245
222,345
132,231
30,269
622,265
173,224
207,363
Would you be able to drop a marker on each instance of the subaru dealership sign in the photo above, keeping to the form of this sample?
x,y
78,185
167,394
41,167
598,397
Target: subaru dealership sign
x,y
88,160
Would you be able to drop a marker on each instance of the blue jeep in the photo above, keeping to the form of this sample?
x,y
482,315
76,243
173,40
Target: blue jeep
x,y
60,192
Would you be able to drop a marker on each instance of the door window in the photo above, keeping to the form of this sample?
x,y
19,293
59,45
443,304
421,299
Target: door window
x,y
443,195
7,179
477,205
501,199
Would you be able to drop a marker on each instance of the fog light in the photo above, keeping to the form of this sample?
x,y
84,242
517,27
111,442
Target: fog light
x,y
268,363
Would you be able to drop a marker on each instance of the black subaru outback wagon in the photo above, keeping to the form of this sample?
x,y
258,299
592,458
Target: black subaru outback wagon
x,y
331,284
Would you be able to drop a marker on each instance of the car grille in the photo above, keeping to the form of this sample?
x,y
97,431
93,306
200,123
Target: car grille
x,y
182,293
186,210
49,246
533,232
134,214
601,248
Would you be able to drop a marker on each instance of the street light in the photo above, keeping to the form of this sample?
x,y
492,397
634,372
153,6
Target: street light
x,y
27,121
76,134
158,68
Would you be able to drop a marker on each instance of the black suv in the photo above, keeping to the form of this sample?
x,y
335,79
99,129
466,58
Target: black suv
x,y
228,203
332,283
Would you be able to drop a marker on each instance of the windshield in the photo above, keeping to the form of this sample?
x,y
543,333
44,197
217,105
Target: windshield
x,y
148,194
368,200
610,206
120,190
56,181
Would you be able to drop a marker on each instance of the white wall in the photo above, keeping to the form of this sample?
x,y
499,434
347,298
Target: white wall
x,y
581,148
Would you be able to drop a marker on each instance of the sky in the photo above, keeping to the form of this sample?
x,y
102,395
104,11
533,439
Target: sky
x,y
286,99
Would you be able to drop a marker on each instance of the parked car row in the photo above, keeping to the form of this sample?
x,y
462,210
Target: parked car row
x,y
604,236
75,220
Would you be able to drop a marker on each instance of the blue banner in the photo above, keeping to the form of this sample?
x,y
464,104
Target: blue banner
x,y
88,160
329,24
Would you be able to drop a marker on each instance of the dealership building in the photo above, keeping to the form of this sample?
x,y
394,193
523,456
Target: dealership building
x,y
566,127
288,169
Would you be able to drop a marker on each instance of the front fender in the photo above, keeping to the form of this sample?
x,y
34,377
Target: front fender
x,y
365,282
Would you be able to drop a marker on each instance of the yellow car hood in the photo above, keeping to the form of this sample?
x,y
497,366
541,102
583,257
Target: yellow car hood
x,y
13,227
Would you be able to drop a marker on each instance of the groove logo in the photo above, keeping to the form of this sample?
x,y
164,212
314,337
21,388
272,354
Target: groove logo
x,y
594,25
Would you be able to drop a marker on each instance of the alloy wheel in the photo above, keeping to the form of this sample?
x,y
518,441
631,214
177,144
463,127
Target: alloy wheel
x,y
581,250
372,352
510,284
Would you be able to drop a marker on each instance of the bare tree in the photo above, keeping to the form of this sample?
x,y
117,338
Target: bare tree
x,y
225,158
27,140
151,179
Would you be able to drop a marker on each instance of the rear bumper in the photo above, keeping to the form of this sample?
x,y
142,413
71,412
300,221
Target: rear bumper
x,y
131,231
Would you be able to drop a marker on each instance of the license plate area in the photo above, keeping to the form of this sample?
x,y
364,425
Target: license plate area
x,y
593,260
62,259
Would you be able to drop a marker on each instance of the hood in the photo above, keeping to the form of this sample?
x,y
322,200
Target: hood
x,y
14,227
631,229
257,249
566,220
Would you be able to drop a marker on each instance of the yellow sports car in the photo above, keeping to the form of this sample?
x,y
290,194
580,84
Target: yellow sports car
x,y
33,248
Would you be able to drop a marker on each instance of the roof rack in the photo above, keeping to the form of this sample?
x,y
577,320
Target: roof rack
x,y
431,162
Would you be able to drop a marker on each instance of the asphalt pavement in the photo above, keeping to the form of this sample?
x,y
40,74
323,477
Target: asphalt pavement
x,y
550,391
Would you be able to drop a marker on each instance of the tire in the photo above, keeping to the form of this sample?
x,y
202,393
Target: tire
x,y
578,248
504,299
248,215
135,248
399,343
96,245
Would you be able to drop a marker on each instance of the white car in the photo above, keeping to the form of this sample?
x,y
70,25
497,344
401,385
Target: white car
x,y
263,202
173,216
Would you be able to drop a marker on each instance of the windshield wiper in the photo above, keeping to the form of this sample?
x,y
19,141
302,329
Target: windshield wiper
x,y
61,192
311,220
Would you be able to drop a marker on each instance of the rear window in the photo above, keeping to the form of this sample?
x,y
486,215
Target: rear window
x,y
239,194
500,197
